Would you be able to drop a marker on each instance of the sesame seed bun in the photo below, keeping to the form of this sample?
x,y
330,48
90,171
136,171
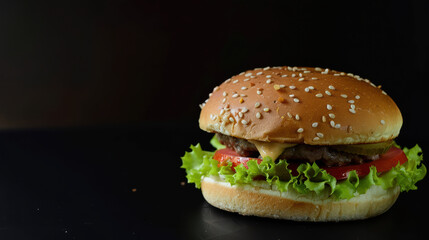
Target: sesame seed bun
x,y
263,201
301,105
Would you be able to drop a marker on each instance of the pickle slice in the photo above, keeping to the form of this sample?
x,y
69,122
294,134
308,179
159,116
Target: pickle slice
x,y
365,149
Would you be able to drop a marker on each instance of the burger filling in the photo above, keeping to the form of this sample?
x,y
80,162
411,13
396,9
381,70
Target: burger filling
x,y
337,155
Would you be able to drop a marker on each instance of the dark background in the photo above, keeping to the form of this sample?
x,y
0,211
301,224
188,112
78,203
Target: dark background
x,y
71,63
90,92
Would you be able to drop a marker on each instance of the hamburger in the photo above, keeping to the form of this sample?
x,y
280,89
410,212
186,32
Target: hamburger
x,y
304,144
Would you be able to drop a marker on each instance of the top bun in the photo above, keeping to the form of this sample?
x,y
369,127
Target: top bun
x,y
301,105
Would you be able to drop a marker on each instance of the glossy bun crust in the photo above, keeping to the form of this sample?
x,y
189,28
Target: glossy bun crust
x,y
301,105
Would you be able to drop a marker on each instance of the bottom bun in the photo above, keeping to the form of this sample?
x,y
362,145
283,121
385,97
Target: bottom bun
x,y
261,200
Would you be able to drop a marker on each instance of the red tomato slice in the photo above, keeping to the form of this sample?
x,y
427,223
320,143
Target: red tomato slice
x,y
386,162
223,156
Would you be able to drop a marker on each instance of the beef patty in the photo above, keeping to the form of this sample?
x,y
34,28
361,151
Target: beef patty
x,y
301,152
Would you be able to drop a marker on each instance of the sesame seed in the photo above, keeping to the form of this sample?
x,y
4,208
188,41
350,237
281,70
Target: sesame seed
x,y
382,122
266,68
235,81
342,73
293,75
221,112
315,124
296,100
228,80
292,95
344,95
351,101
320,135
314,78
301,79
268,76
332,123
231,119
282,86
350,74
337,125
224,94
331,115
243,88
268,81
289,115
357,96
246,79
258,92
240,114
241,100
329,106
383,92
258,115
243,95
336,74
292,87
235,95
259,73
248,74
328,92
285,75
244,110
276,87
318,69
307,89
319,95
307,71
297,117
352,110
266,109
300,74
311,87
223,100
352,106
323,119
316,139
257,104
244,122
215,88
331,87
300,130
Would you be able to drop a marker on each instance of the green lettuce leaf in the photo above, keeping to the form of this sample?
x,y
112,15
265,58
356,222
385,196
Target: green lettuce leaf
x,y
199,163
216,144
310,179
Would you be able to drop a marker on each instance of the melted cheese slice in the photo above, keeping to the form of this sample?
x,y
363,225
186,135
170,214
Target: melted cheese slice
x,y
271,149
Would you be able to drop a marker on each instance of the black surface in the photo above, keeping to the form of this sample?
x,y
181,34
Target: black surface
x,y
77,184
